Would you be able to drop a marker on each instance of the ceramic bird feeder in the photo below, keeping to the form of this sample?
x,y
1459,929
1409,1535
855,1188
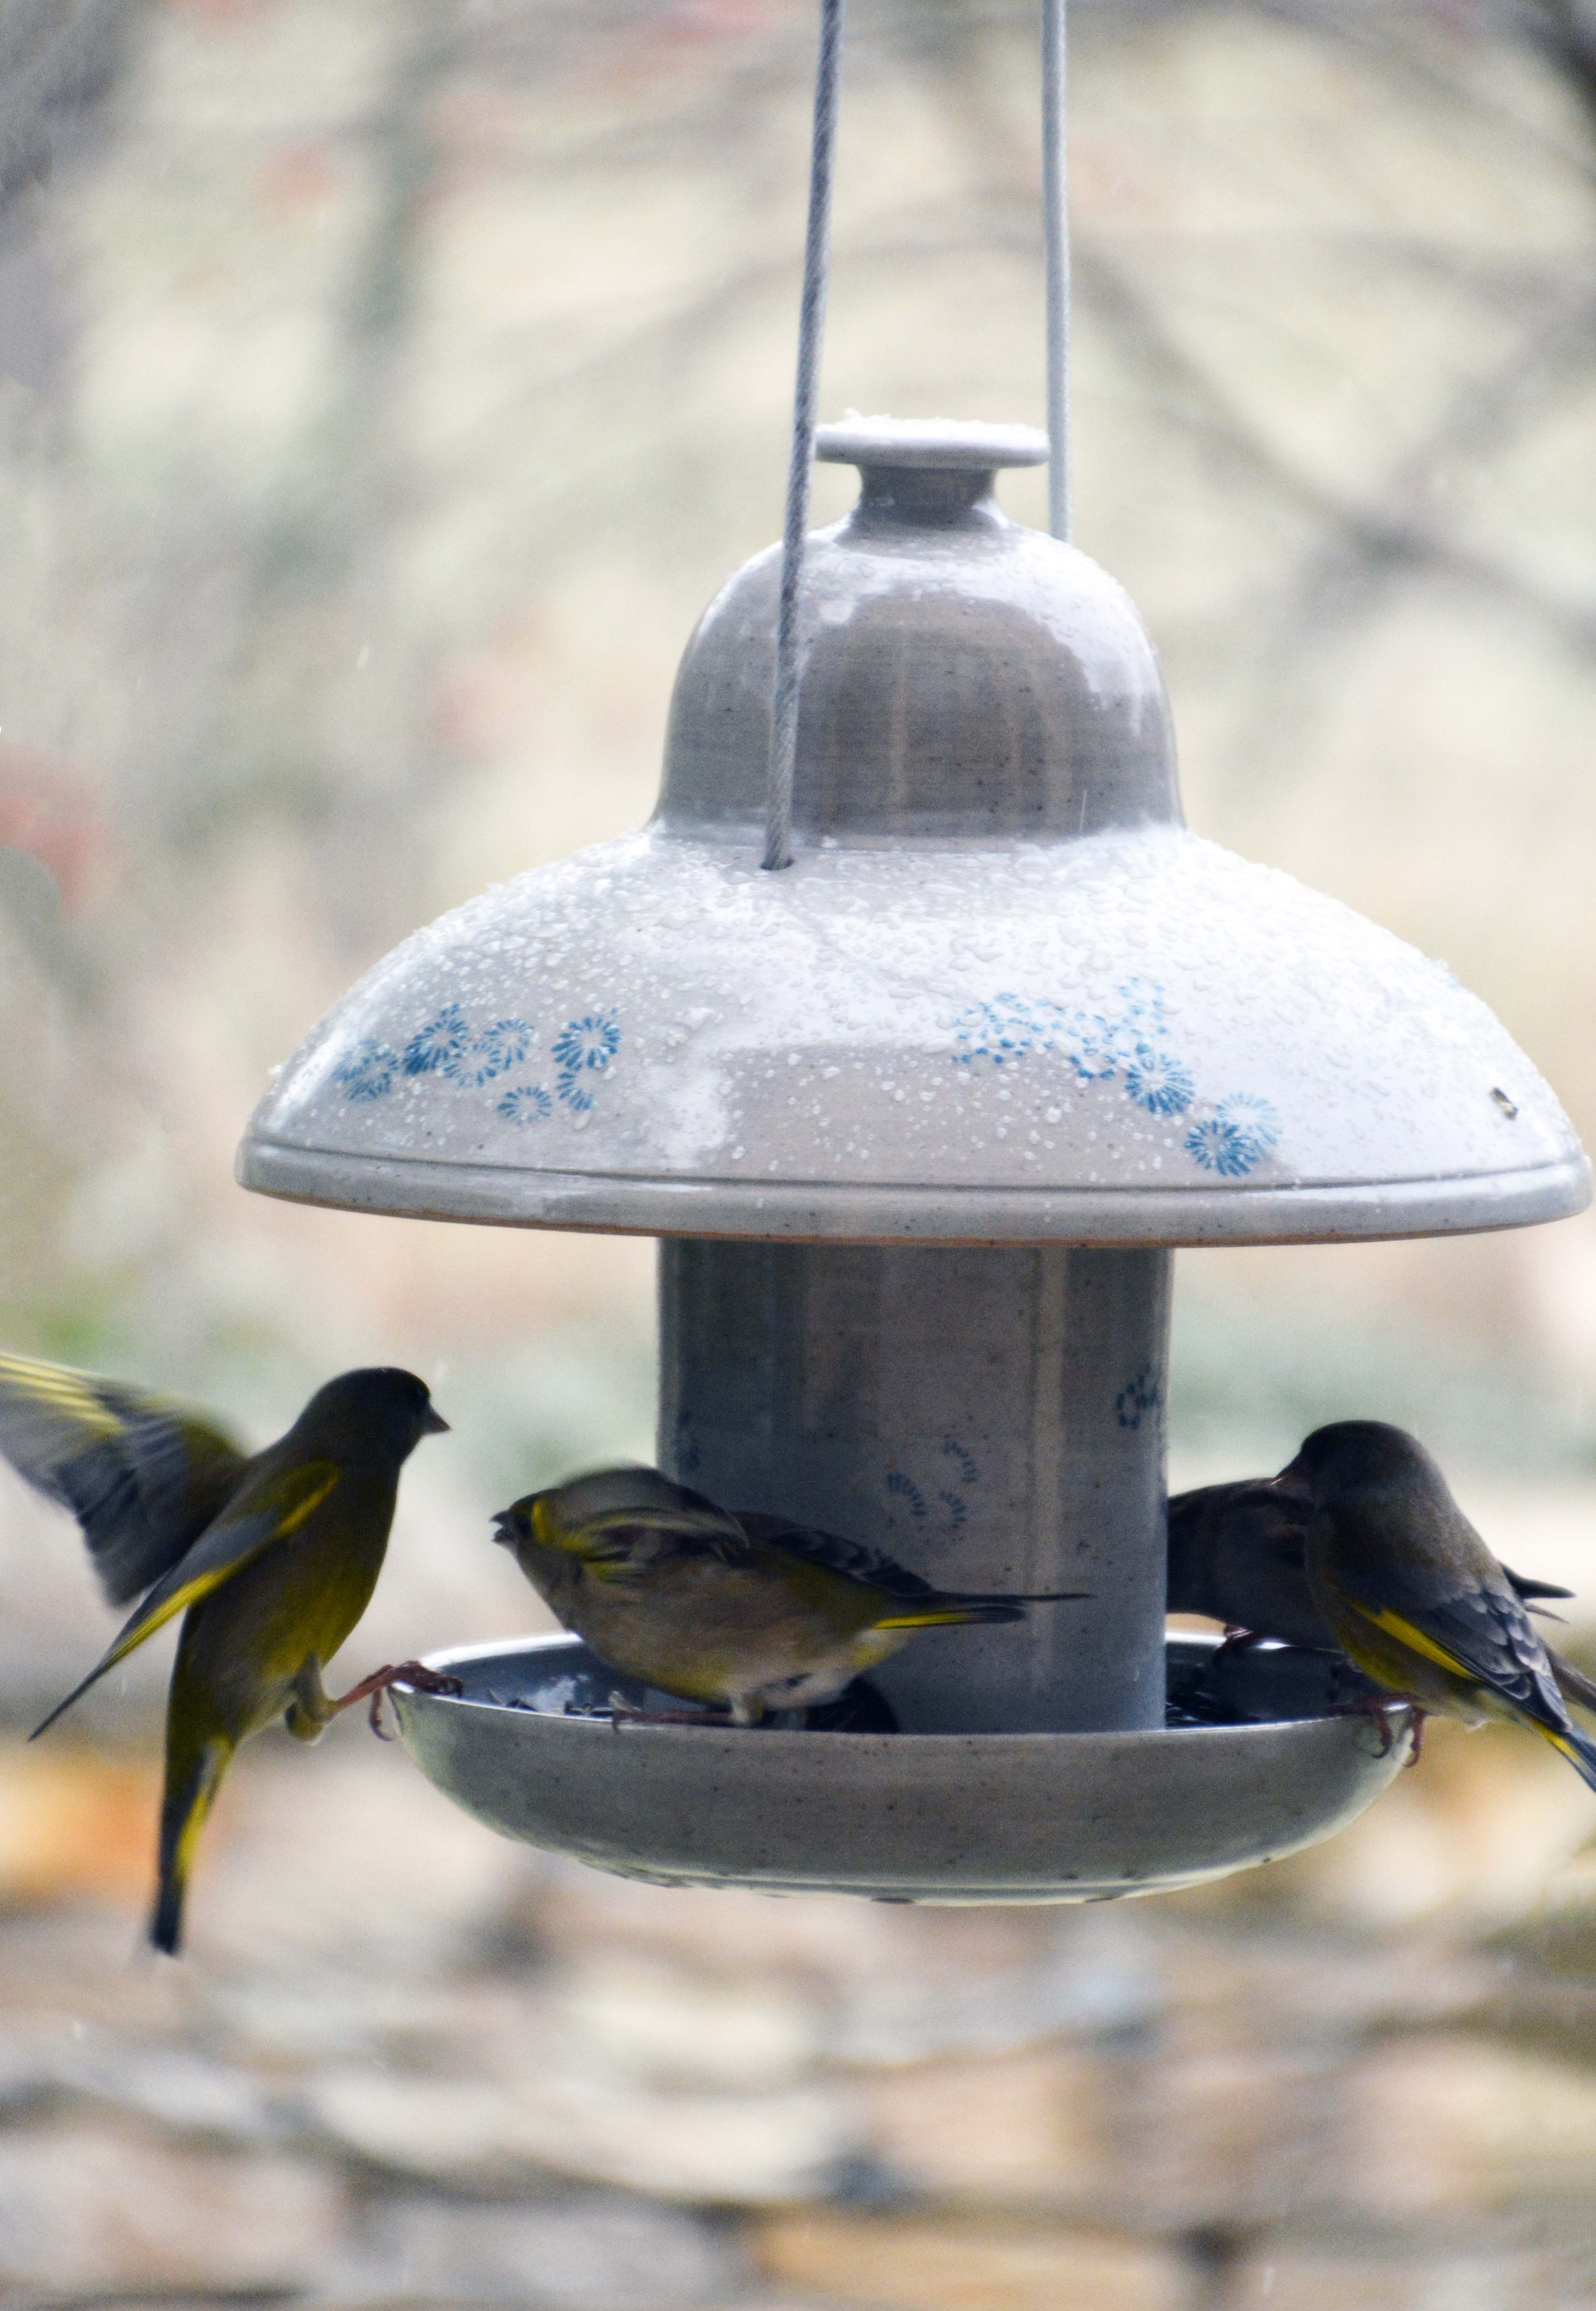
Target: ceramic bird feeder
x,y
918,1122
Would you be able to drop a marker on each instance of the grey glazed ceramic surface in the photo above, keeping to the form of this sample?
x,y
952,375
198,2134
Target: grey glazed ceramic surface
x,y
992,1418
1002,995
929,1817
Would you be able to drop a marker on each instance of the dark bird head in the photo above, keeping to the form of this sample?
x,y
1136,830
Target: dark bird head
x,y
1359,1456
379,1411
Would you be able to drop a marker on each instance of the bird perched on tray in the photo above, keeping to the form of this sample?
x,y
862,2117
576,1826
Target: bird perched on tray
x,y
271,1559
747,1612
1237,1556
1412,1595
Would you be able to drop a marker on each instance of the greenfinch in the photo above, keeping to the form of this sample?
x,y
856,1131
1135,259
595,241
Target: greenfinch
x,y
1412,1595
270,1559
1236,1555
747,1613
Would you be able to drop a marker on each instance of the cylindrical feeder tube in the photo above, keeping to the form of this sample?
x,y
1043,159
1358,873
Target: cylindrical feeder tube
x,y
992,1418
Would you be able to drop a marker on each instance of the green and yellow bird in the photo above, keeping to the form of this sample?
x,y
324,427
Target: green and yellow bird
x,y
1238,1555
749,1613
271,1560
1412,1595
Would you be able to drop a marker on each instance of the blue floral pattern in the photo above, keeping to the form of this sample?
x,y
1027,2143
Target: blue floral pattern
x,y
583,1049
440,1043
527,1103
1137,1398
1242,1131
963,1460
498,1049
367,1071
1126,1042
1157,1081
451,1047
903,1487
591,1043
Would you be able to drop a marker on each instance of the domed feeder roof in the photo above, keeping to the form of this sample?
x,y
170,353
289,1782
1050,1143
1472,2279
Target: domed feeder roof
x,y
1001,994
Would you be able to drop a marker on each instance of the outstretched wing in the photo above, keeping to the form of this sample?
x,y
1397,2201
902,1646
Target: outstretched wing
x,y
262,1515
143,1475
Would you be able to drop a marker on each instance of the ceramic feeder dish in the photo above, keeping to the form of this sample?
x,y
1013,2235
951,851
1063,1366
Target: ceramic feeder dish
x,y
919,1120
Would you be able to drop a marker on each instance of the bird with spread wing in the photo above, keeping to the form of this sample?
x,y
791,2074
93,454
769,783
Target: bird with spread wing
x,y
271,1559
748,1613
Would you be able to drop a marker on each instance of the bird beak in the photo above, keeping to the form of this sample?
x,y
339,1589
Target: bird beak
x,y
504,1528
432,1422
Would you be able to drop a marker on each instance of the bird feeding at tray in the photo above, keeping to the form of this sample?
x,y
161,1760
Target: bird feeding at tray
x,y
919,1029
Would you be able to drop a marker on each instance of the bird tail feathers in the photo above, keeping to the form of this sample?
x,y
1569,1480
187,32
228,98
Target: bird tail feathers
x,y
950,1608
1575,1684
190,1790
1579,1750
950,1613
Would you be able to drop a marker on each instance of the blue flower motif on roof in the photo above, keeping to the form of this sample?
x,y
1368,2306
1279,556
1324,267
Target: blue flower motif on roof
x,y
1142,999
440,1043
368,1070
587,1045
1087,1043
1157,1081
495,1051
1234,1139
1127,1040
449,1046
1254,1118
527,1103
1097,1043
1001,1031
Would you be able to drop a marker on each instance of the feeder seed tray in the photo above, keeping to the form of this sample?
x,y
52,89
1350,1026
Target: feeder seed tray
x,y
901,1816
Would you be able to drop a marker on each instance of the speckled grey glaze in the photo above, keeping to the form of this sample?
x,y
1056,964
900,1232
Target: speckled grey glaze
x,y
992,1418
925,1818
963,676
1001,995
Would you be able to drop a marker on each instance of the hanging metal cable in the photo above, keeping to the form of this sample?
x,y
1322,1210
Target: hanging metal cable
x,y
778,837
1055,221
784,710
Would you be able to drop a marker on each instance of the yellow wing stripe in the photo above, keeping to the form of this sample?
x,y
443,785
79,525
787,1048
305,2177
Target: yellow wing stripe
x,y
61,1391
310,1504
1414,1639
204,1582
